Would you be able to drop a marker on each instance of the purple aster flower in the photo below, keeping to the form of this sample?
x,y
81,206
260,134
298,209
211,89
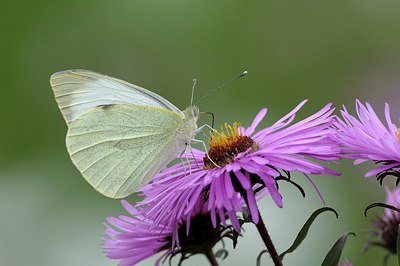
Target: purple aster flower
x,y
134,238
368,139
392,199
242,165
385,229
129,239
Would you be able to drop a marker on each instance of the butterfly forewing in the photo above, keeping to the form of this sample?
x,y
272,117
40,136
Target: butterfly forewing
x,y
78,91
118,148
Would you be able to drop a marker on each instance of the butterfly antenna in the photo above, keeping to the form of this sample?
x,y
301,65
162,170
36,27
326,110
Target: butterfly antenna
x,y
244,73
194,84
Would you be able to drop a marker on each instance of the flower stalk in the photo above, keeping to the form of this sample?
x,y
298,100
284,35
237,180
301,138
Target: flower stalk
x,y
211,258
262,230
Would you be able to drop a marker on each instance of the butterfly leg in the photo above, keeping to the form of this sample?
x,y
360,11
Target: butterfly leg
x,y
190,166
200,129
206,126
182,161
187,159
206,150
194,158
183,164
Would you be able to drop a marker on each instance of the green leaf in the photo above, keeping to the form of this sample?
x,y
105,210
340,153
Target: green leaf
x,y
235,236
333,256
382,205
222,253
259,257
398,245
304,230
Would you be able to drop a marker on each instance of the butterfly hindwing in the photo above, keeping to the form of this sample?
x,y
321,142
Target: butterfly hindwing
x,y
118,148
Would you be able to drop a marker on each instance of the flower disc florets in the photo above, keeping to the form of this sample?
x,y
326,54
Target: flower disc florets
x,y
225,145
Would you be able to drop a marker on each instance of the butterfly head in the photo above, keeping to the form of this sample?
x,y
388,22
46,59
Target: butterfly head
x,y
192,113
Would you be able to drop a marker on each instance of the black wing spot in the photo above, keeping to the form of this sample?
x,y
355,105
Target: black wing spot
x,y
105,106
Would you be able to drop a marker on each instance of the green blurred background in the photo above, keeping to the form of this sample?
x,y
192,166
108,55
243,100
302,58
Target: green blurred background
x,y
326,51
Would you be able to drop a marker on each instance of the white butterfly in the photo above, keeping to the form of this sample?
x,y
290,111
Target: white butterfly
x,y
119,134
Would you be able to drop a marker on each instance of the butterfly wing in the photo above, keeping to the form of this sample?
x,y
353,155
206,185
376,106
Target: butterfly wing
x,y
78,91
118,148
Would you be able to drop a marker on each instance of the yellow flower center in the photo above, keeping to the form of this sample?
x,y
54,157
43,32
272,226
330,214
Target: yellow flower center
x,y
225,145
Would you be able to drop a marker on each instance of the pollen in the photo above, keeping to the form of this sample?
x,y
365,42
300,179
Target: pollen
x,y
225,145
397,134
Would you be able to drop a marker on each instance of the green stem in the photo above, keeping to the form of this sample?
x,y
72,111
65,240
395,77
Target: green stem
x,y
211,257
262,229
